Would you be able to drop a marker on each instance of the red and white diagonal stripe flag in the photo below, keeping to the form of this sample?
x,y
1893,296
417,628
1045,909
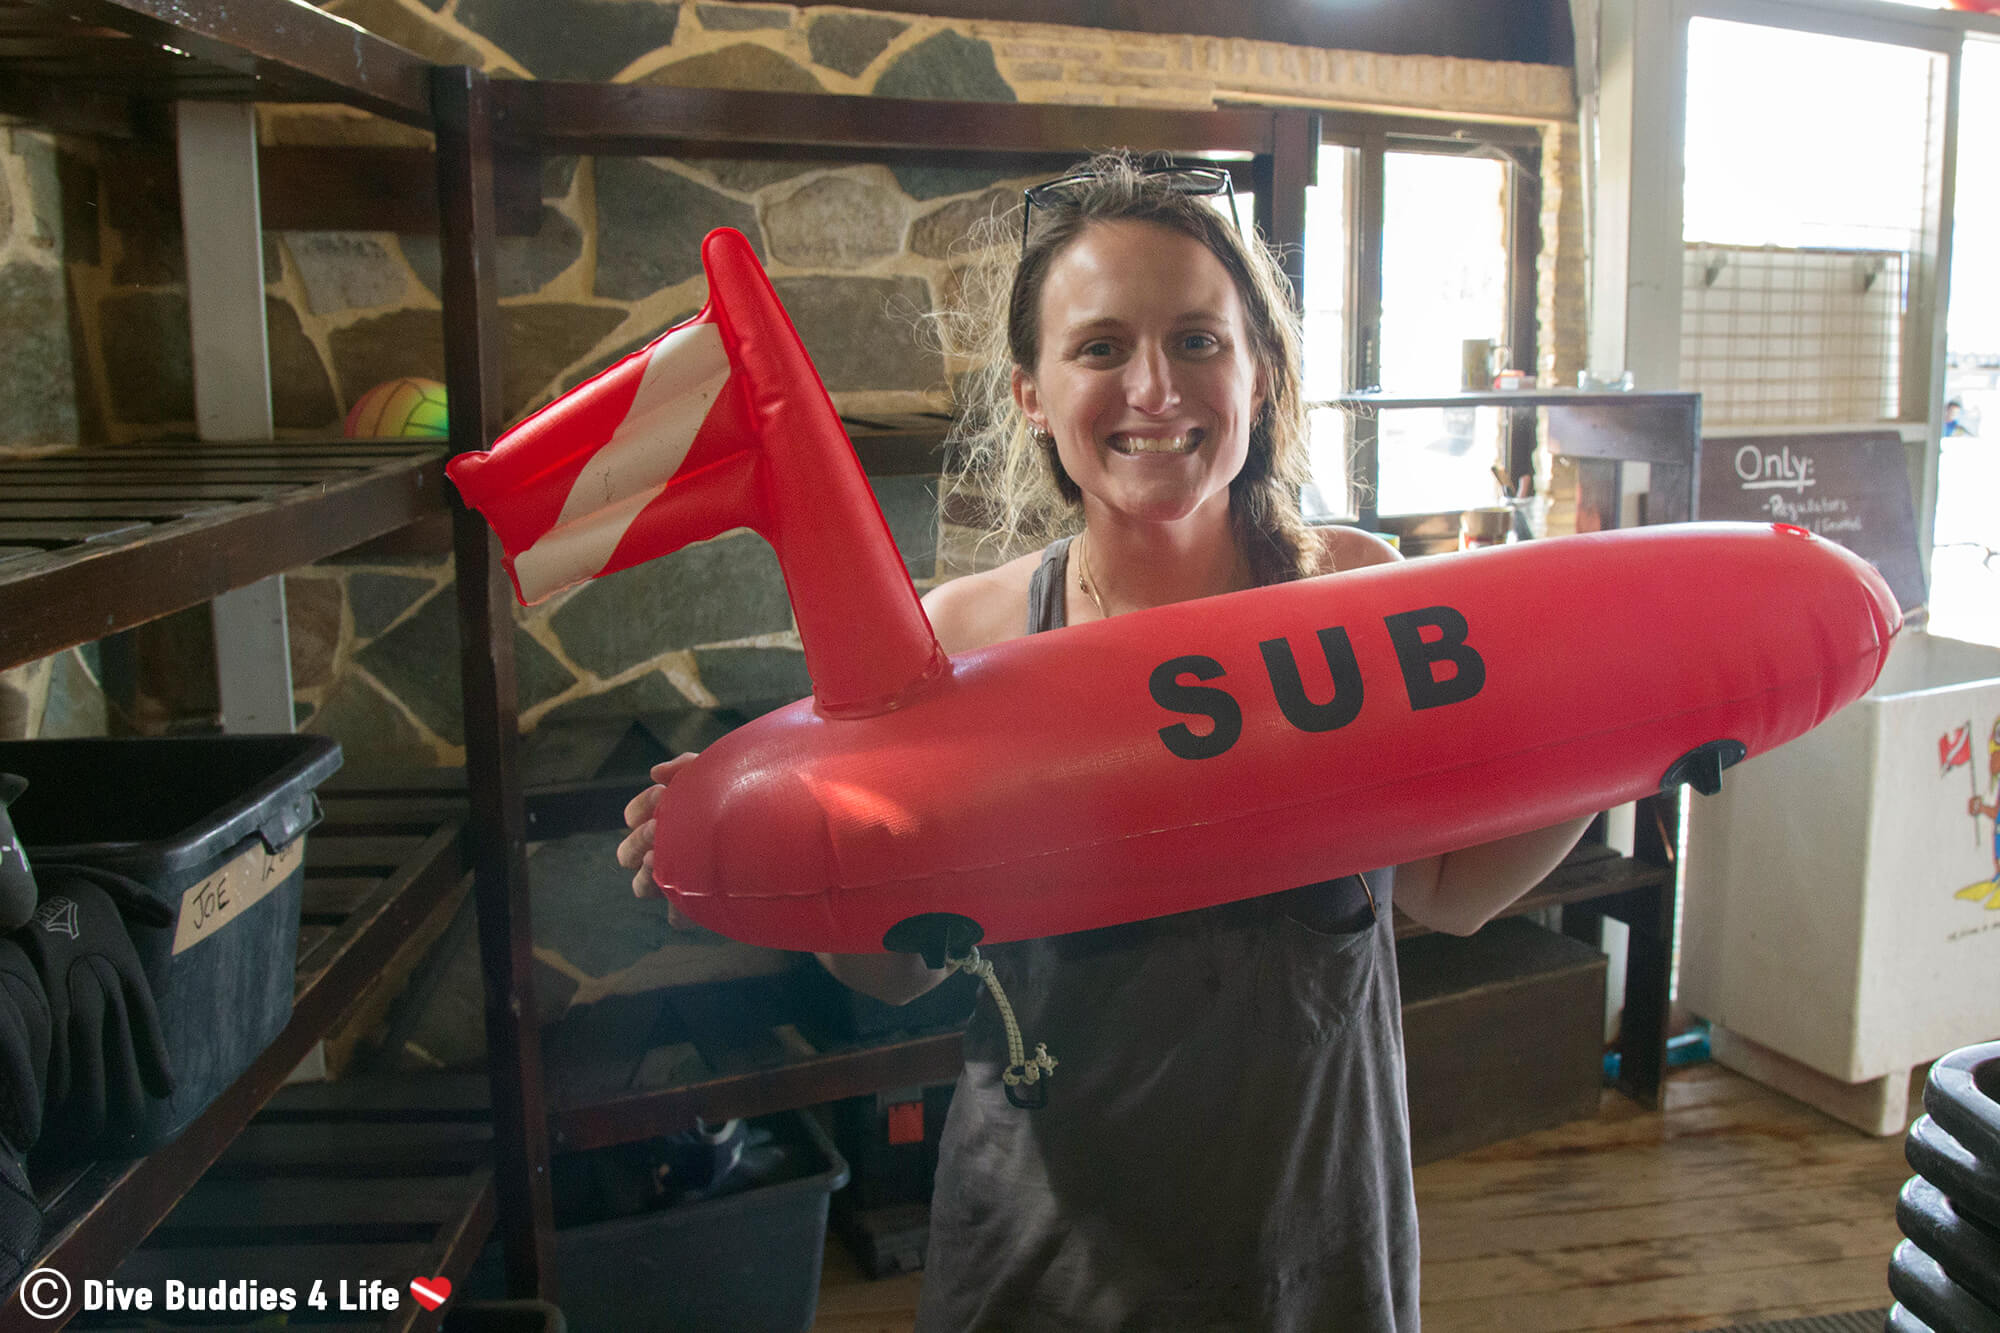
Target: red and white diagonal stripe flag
x,y
1955,749
567,487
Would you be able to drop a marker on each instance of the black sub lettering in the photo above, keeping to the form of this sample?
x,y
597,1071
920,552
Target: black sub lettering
x,y
1419,656
1211,702
1283,668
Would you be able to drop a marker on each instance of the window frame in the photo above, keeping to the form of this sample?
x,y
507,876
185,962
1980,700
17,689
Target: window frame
x,y
1372,137
1642,63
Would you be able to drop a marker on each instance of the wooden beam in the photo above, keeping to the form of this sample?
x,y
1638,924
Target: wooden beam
x,y
370,188
1531,31
644,118
69,108
627,1117
294,50
1281,194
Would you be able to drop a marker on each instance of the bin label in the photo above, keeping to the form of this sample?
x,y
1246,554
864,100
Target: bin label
x,y
233,890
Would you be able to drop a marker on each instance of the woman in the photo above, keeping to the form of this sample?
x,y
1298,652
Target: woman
x,y
1225,1142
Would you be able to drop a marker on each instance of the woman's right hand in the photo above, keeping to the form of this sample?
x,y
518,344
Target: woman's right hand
x,y
636,852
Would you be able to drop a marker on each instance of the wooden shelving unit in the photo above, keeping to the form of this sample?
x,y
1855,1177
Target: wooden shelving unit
x,y
97,540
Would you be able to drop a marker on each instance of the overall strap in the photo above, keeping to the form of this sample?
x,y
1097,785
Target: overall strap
x,y
1046,590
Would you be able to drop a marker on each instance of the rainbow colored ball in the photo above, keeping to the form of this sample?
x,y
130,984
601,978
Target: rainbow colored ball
x,y
399,407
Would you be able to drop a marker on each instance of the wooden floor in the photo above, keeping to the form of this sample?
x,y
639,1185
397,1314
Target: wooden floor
x,y
1734,1205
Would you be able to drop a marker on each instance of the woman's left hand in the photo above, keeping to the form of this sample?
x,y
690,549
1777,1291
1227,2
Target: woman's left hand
x,y
636,852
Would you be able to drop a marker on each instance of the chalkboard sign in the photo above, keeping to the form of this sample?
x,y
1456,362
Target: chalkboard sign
x,y
1850,487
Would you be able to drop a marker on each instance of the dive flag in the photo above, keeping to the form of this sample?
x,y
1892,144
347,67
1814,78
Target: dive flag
x,y
720,423
1955,749
566,488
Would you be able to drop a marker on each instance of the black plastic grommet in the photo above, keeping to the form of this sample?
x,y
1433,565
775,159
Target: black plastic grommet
x,y
1701,767
938,936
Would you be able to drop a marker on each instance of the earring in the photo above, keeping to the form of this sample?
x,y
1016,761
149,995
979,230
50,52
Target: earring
x,y
1041,436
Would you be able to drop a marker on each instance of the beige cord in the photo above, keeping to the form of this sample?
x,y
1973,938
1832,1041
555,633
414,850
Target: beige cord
x,y
1019,1069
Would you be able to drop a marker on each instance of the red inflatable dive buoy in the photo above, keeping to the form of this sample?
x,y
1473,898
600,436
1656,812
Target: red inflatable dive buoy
x,y
1167,759
1194,754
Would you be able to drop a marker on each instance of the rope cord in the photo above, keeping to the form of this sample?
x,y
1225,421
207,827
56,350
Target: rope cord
x,y
1020,1069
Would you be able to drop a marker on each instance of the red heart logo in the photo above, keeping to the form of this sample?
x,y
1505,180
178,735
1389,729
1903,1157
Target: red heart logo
x,y
431,1292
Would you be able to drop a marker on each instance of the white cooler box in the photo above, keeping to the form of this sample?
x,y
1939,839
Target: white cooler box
x,y
1841,922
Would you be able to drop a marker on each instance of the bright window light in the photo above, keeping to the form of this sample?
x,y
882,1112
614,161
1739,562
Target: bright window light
x,y
1803,223
1800,139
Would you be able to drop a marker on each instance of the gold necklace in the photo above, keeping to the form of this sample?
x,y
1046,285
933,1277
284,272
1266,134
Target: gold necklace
x,y
1083,578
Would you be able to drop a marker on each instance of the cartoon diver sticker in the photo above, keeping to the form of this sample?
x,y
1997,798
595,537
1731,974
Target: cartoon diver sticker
x,y
1987,890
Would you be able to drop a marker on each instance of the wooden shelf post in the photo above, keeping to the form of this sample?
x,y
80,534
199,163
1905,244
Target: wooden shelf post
x,y
485,616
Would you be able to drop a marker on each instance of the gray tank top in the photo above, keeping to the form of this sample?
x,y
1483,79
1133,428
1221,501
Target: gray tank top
x,y
1225,1143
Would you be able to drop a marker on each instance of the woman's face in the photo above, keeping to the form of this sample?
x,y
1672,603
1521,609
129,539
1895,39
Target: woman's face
x,y
1145,373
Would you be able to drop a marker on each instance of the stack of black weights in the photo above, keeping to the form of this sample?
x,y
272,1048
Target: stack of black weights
x,y
1946,1276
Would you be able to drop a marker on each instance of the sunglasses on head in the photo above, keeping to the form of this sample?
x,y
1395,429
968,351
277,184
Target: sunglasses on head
x,y
1182,180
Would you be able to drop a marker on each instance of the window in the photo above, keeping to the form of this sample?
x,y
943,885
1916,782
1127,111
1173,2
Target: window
x,y
1803,220
1410,240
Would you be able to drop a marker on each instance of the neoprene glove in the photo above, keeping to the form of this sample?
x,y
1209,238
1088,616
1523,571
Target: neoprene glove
x,y
17,880
20,1220
24,1068
24,1048
107,1051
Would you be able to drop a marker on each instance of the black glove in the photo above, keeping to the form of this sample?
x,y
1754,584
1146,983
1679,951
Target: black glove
x,y
106,1051
17,881
20,1220
24,1048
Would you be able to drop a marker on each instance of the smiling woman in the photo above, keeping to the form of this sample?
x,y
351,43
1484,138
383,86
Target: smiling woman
x,y
1137,405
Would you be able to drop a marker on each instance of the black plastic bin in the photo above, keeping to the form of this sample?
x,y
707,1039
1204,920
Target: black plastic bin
x,y
746,1262
504,1317
214,827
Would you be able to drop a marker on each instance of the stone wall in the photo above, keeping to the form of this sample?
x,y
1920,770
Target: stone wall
x,y
44,222
47,219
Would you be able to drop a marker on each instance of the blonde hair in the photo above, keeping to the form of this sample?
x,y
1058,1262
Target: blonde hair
x,y
999,470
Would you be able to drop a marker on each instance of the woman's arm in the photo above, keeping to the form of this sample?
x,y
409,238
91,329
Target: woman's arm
x,y
1461,891
892,978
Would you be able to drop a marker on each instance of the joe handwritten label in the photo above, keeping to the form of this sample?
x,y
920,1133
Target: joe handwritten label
x,y
1848,486
233,890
